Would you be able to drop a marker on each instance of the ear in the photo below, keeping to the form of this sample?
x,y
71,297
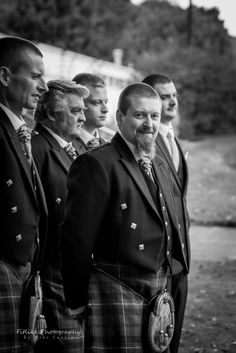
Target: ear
x,y
50,116
4,75
119,117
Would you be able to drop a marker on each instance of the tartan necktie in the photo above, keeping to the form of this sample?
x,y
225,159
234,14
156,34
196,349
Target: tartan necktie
x,y
71,151
145,164
173,148
93,143
24,136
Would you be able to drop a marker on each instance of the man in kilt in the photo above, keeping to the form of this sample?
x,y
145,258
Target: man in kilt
x,y
116,239
59,116
22,203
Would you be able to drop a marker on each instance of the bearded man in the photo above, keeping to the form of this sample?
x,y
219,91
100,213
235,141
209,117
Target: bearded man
x,y
116,238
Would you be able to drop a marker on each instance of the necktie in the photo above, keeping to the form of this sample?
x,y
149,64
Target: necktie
x,y
24,136
145,164
173,148
93,143
71,151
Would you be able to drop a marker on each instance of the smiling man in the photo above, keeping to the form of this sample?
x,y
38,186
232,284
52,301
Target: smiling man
x,y
59,116
21,208
96,112
116,239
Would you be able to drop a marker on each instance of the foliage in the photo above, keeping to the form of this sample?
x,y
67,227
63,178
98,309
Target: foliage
x,y
155,37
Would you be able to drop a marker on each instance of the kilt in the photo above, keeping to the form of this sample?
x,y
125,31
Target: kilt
x,y
118,310
12,281
63,334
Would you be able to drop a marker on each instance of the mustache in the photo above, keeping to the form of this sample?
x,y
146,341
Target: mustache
x,y
145,130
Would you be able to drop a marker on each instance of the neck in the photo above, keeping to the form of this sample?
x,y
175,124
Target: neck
x,y
90,129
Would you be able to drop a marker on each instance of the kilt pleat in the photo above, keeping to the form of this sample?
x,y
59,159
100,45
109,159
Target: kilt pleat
x,y
118,311
11,289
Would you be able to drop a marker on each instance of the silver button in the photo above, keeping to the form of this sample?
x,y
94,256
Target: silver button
x,y
58,200
18,237
182,245
123,206
163,208
179,226
9,182
166,223
133,226
141,247
14,209
161,194
168,253
168,237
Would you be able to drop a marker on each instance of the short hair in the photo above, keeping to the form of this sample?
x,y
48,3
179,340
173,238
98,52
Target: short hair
x,y
88,79
135,89
14,52
156,79
57,90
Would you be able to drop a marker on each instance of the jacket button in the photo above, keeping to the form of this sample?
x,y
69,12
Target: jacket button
x,y
133,226
14,209
18,237
123,206
9,182
141,247
58,200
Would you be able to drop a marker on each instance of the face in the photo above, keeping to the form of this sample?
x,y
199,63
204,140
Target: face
x,y
25,86
68,116
141,122
168,94
96,104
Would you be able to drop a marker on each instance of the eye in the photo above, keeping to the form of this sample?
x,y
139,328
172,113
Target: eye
x,y
155,116
138,115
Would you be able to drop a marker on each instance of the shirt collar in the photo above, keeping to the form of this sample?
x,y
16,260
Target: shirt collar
x,y
15,120
86,136
63,143
164,129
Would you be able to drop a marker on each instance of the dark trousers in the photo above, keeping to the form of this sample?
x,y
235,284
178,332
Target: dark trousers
x,y
179,293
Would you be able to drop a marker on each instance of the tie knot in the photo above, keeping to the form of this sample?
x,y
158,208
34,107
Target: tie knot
x,y
70,150
170,133
24,134
93,143
146,164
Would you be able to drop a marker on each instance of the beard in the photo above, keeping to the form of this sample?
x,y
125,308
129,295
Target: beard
x,y
145,144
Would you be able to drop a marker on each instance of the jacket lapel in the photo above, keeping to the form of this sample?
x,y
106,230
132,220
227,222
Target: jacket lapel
x,y
58,153
165,153
131,166
185,167
16,147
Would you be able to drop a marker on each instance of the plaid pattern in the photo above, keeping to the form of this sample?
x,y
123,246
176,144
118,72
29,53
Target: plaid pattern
x,y
118,307
69,337
11,289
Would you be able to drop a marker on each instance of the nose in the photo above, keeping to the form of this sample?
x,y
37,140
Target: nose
x,y
82,116
104,108
43,86
148,120
173,101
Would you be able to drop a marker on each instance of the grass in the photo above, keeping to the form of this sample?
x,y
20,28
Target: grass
x,y
212,180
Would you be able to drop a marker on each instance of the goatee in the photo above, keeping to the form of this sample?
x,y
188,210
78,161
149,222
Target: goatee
x,y
145,147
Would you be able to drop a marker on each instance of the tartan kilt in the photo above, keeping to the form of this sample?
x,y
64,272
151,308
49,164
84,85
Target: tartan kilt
x,y
118,310
63,334
11,290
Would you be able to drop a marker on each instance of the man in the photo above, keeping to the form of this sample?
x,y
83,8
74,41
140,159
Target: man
x,y
169,148
59,116
116,239
22,200
96,112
